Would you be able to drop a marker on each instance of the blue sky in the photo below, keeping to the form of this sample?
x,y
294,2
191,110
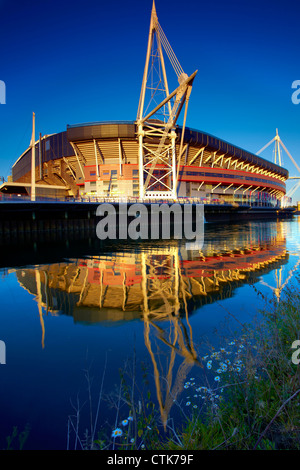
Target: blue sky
x,y
75,62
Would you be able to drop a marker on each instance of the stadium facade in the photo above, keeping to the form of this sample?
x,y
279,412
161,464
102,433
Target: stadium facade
x,y
101,160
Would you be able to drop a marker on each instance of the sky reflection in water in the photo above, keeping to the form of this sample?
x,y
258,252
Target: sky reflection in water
x,y
95,303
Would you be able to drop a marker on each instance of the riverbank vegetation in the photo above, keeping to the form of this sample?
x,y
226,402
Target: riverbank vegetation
x,y
249,397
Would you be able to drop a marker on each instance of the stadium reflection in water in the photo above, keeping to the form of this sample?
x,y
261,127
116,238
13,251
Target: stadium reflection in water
x,y
161,286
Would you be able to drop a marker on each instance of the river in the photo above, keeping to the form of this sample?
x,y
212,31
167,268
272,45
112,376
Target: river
x,y
74,312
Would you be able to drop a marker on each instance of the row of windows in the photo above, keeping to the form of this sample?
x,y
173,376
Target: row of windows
x,y
222,175
113,172
204,174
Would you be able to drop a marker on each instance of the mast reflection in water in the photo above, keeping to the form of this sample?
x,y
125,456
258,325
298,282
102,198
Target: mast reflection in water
x,y
161,286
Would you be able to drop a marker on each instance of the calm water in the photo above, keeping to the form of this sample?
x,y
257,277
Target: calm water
x,y
68,306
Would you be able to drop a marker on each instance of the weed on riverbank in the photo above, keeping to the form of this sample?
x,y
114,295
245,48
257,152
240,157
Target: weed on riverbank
x,y
257,404
250,398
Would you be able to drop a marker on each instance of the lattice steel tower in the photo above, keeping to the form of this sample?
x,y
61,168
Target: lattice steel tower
x,y
157,115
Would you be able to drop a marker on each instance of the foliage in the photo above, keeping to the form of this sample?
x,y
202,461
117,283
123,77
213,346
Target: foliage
x,y
250,398
260,407
16,440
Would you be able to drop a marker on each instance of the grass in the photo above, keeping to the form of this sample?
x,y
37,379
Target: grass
x,y
260,407
16,440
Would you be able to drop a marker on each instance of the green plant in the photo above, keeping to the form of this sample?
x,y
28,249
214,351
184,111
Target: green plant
x,y
17,438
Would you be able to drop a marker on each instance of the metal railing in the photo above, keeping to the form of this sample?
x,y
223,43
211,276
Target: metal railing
x,y
131,199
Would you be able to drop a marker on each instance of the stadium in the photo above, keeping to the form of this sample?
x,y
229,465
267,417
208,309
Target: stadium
x,y
101,160
151,158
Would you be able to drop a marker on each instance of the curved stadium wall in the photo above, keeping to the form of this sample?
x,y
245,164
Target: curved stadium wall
x,y
101,160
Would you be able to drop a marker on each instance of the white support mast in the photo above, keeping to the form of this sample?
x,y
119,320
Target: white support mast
x,y
277,149
33,159
156,120
277,156
278,143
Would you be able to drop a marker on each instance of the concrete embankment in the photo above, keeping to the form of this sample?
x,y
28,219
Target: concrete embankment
x,y
21,218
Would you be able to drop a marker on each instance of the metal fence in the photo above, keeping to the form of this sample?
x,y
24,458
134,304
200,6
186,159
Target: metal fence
x,y
96,199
